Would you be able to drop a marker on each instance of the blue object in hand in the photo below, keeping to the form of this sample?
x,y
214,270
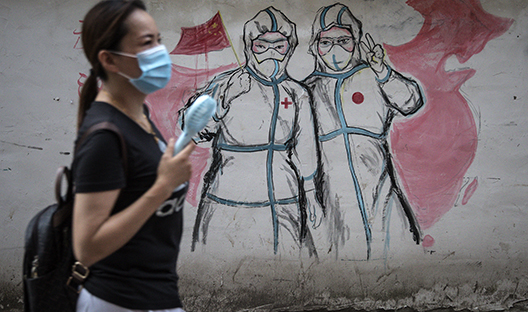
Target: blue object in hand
x,y
196,118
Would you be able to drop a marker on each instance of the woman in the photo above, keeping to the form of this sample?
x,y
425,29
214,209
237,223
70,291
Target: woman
x,y
127,223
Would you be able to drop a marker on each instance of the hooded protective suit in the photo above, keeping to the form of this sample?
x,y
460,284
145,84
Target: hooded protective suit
x,y
269,20
263,145
335,15
355,108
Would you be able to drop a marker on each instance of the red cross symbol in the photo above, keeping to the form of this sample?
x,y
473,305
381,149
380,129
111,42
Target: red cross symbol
x,y
286,103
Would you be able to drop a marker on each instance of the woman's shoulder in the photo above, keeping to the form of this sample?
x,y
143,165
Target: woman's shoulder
x,y
101,112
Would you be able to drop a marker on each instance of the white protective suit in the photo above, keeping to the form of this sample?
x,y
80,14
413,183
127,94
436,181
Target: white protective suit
x,y
355,109
264,148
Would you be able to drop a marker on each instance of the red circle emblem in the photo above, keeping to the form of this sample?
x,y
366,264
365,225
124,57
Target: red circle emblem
x,y
358,97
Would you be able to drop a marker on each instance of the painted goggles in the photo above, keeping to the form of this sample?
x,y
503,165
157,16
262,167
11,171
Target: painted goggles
x,y
261,45
325,44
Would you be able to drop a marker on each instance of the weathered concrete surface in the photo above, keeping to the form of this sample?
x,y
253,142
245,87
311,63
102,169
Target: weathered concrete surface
x,y
519,306
255,285
365,286
427,283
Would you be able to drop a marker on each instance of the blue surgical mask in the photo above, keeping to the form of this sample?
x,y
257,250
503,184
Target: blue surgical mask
x,y
155,64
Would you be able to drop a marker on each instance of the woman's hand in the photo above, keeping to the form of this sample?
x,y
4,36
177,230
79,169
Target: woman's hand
x,y
174,170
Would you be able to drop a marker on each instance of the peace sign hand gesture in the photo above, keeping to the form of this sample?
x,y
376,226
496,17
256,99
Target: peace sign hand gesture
x,y
374,54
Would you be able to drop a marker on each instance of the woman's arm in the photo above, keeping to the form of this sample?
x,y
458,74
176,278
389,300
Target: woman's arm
x,y
97,234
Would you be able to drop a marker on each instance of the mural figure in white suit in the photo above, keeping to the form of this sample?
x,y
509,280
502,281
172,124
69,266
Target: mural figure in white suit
x,y
264,150
356,96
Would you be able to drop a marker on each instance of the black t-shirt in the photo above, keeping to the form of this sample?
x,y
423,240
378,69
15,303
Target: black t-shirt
x,y
141,274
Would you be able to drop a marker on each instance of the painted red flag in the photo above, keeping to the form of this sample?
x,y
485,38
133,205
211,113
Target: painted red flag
x,y
207,37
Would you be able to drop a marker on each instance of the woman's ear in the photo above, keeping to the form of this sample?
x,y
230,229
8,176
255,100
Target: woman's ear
x,y
107,60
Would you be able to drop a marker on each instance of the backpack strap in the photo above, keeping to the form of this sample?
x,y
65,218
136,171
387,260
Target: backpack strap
x,y
106,125
63,173
79,271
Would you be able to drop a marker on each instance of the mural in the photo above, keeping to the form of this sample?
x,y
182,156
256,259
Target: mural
x,y
374,144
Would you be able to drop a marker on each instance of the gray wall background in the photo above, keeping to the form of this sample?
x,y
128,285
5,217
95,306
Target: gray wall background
x,y
478,260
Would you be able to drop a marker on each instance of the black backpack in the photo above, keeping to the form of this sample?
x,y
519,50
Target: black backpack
x,y
51,274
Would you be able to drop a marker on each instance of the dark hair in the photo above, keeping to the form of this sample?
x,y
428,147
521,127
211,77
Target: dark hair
x,y
103,29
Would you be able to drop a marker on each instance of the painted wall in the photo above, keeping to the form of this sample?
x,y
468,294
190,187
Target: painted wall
x,y
446,159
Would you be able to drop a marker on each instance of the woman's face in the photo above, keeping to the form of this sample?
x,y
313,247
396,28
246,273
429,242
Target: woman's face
x,y
335,47
142,35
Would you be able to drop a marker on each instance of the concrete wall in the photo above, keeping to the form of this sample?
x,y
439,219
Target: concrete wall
x,y
460,160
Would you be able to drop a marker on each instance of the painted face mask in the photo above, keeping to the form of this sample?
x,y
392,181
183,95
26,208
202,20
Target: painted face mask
x,y
336,52
155,65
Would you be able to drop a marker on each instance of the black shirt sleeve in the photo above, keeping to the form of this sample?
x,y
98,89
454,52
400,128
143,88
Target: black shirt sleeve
x,y
98,164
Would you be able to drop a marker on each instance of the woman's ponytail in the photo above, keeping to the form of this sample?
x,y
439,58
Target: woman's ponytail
x,y
88,94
